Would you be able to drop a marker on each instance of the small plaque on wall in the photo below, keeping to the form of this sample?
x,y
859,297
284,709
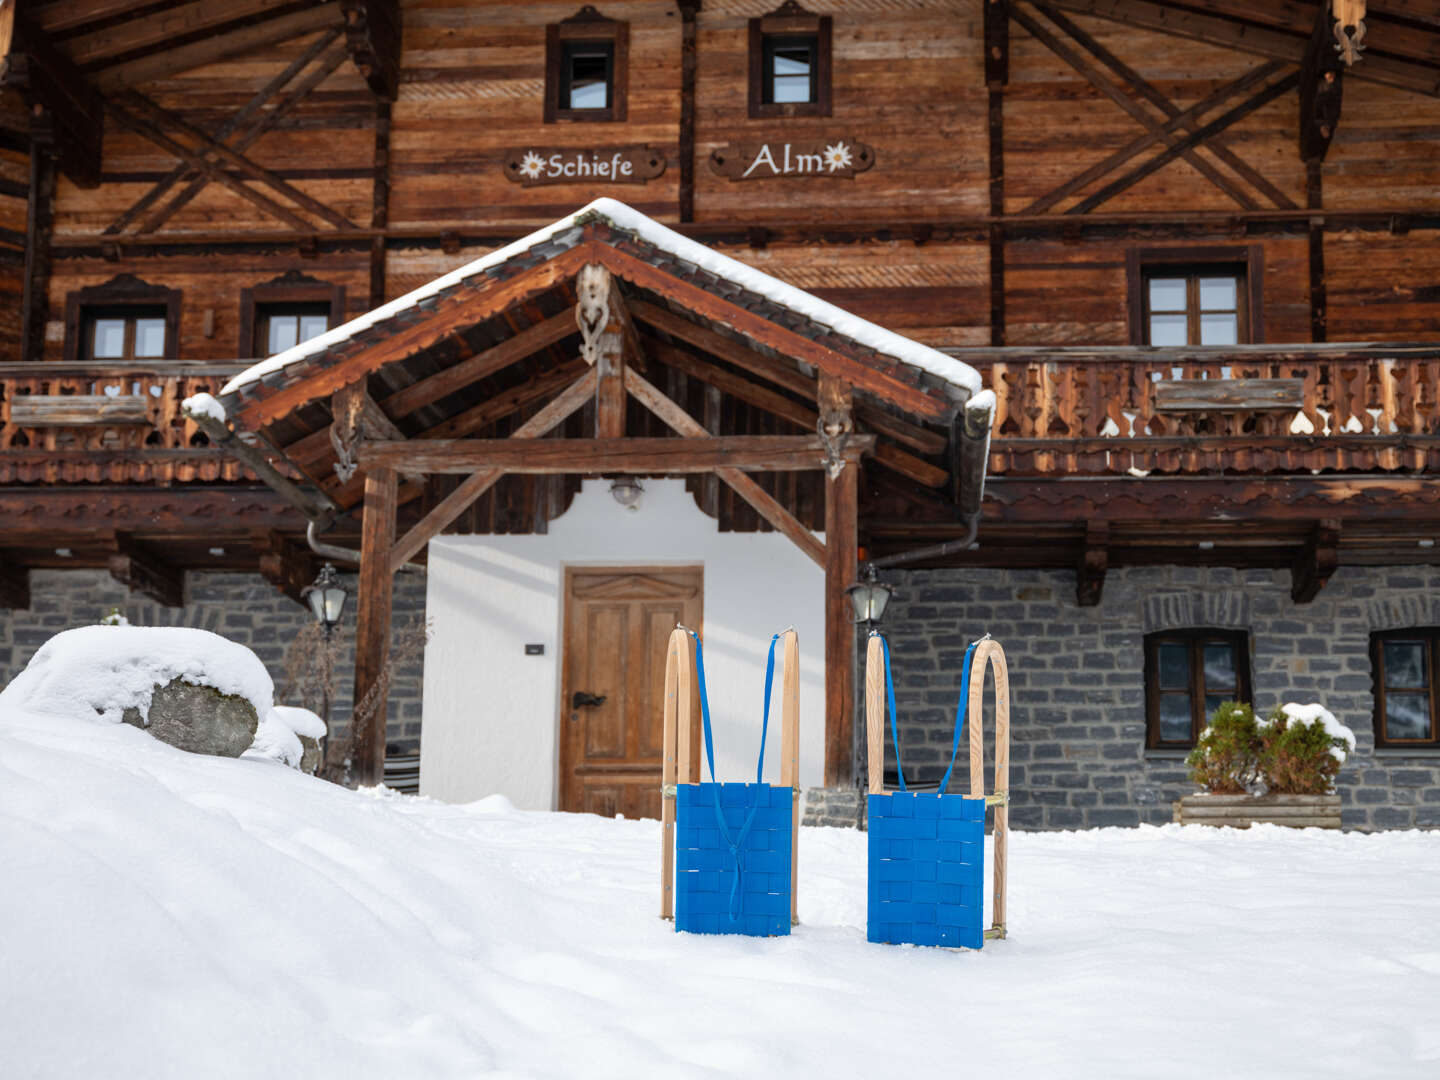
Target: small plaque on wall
x,y
533,166
837,159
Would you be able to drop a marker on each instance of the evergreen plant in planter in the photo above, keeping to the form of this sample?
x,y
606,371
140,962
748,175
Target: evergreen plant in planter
x,y
1279,770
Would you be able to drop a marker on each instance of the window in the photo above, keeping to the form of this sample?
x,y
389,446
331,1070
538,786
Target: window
x,y
1195,296
1404,665
1188,674
125,319
134,333
286,311
790,63
585,68
281,326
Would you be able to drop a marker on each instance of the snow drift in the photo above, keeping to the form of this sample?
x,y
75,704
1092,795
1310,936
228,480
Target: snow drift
x,y
173,915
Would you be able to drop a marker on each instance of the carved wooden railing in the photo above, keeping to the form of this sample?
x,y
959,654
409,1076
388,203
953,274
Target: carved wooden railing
x,y
109,423
1126,411
1071,411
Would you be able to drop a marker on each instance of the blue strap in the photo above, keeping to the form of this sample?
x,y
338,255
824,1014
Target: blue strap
x,y
960,715
960,711
890,695
738,842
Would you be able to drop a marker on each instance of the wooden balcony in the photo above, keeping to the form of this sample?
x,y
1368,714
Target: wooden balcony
x,y
1063,412
109,424
1256,409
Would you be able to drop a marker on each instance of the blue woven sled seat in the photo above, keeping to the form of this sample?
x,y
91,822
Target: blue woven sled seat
x,y
733,841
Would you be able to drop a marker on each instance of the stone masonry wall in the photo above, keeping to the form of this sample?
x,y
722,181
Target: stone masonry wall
x,y
242,607
1078,689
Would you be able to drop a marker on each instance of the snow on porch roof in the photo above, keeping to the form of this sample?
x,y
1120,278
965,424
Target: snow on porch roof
x,y
623,218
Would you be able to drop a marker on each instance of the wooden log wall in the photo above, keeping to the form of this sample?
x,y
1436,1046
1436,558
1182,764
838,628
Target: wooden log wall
x,y
908,80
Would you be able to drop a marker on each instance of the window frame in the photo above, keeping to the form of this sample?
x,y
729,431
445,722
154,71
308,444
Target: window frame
x,y
1244,262
1430,635
790,20
587,26
125,295
1195,639
292,288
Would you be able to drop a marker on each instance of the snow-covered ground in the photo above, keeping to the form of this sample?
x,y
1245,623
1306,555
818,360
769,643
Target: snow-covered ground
x,y
167,915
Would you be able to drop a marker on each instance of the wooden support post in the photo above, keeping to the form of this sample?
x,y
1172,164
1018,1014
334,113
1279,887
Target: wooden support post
x,y
1093,562
39,220
67,114
284,564
14,585
1319,298
373,36
990,653
1321,88
790,756
1316,562
875,715
997,74
675,762
372,625
380,203
842,496
688,10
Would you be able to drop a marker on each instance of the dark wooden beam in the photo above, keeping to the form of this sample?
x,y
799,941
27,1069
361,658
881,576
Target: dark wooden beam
x,y
142,570
1316,562
372,624
141,114
1186,148
373,35
209,50
14,585
1092,564
1195,138
380,202
63,514
765,504
613,454
1186,119
688,10
39,224
997,74
607,353
1319,298
842,511
67,115
477,483
285,564
1248,38
1321,89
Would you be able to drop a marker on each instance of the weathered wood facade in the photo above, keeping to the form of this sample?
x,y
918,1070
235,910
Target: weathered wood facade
x,y
1004,171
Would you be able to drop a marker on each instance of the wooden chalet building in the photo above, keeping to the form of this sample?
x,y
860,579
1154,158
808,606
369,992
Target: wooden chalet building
x,y
1192,246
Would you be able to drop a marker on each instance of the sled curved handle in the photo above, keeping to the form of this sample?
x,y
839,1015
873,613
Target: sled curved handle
x,y
675,755
989,653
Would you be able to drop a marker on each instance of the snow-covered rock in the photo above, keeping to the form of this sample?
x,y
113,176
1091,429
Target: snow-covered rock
x,y
104,670
291,736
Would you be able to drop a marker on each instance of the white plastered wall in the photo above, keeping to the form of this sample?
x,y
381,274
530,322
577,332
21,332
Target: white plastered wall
x,y
492,713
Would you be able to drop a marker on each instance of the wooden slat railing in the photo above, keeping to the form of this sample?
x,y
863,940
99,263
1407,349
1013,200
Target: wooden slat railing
x,y
1095,412
1061,412
152,442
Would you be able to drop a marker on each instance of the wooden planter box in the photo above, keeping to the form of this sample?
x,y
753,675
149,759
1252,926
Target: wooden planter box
x,y
1242,811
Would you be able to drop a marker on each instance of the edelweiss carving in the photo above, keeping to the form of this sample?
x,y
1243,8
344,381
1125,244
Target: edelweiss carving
x,y
592,309
346,429
835,430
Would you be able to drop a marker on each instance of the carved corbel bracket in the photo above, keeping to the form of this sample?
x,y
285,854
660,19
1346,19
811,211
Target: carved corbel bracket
x,y
592,309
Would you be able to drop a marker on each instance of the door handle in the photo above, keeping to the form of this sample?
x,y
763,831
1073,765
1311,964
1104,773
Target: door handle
x,y
584,699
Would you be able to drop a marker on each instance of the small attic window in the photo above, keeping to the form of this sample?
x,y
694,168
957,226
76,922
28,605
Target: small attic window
x,y
790,63
585,68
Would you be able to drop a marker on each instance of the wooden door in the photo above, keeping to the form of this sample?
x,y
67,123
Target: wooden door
x,y
617,626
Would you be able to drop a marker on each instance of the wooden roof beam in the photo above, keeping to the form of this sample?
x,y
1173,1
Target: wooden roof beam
x,y
14,584
1241,37
67,114
142,570
1321,89
1094,560
776,371
373,33
1316,562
